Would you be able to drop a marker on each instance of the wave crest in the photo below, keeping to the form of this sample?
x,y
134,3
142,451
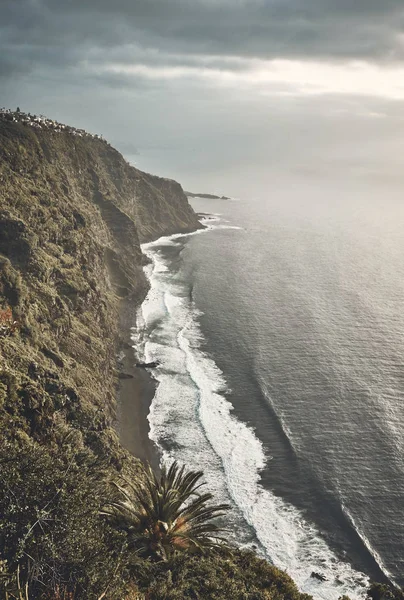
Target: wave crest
x,y
191,420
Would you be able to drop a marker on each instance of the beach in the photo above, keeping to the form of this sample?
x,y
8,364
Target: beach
x,y
136,392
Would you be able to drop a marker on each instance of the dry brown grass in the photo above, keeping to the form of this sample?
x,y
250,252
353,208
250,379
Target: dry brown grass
x,y
8,325
134,594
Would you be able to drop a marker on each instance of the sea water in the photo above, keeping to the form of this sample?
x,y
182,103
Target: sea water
x,y
278,334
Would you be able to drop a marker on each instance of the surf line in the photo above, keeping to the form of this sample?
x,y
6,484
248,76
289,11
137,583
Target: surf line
x,y
289,542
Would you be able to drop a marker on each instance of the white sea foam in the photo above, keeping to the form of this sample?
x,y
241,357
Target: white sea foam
x,y
191,420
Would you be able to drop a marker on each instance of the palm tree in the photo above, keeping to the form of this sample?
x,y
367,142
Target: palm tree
x,y
166,514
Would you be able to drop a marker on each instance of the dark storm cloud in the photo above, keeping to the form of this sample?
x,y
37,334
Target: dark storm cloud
x,y
36,33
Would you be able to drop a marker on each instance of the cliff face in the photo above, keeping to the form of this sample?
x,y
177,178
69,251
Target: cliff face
x,y
72,215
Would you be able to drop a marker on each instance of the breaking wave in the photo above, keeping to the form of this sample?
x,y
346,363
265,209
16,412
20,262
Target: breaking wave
x,y
191,421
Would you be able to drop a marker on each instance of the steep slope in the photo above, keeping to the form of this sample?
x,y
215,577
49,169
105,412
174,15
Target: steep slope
x,y
72,214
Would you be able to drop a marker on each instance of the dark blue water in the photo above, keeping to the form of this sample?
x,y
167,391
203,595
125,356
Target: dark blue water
x,y
282,376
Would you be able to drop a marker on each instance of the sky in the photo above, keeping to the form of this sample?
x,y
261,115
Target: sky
x,y
226,96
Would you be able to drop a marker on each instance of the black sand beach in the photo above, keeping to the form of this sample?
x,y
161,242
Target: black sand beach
x,y
136,392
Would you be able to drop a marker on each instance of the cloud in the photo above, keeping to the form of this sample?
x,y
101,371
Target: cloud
x,y
200,86
276,46
282,77
266,29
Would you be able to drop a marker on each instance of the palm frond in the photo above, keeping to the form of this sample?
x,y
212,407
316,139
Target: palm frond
x,y
167,513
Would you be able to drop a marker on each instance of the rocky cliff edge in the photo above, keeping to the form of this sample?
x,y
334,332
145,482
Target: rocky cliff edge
x,y
73,213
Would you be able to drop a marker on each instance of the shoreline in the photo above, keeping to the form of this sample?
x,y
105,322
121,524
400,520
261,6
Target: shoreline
x,y
349,563
135,394
136,388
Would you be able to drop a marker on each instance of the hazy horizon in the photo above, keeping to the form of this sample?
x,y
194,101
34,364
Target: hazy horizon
x,y
226,97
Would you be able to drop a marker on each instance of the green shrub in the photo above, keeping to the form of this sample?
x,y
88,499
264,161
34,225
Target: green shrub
x,y
50,526
224,574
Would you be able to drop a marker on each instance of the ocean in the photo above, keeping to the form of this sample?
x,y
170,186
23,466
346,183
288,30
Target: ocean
x,y
280,334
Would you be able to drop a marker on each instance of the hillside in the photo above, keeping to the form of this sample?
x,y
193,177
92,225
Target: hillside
x,y
72,215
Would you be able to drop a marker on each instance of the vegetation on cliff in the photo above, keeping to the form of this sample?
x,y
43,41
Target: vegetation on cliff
x,y
72,215
54,540
165,514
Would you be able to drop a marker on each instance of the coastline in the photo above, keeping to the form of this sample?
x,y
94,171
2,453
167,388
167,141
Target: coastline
x,y
176,426
135,394
137,387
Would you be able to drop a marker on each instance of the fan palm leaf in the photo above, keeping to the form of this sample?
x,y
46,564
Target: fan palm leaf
x,y
167,513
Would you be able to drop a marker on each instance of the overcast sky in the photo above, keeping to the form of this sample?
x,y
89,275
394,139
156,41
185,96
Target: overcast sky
x,y
227,96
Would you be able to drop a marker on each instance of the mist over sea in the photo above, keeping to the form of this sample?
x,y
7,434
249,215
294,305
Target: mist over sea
x,y
280,336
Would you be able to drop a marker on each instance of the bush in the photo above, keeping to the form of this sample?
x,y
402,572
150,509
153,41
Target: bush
x,y
223,574
50,528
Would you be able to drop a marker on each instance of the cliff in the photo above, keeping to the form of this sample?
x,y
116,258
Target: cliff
x,y
206,196
72,215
